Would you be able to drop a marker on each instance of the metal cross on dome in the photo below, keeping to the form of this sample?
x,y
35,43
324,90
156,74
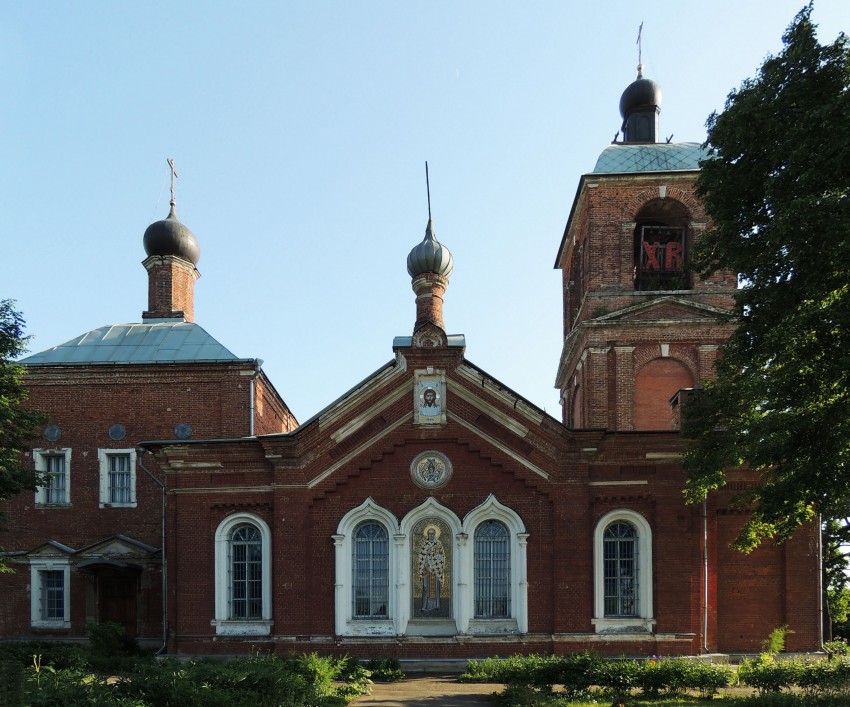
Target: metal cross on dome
x,y
174,176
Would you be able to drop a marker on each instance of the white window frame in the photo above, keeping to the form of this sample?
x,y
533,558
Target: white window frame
x,y
643,622
40,458
398,621
517,621
103,459
37,570
223,623
345,623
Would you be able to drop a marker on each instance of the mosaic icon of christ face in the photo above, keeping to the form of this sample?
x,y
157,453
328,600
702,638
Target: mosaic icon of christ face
x,y
430,398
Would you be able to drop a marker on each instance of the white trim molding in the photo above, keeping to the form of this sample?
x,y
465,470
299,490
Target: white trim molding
x,y
457,535
345,623
223,622
103,458
38,600
642,622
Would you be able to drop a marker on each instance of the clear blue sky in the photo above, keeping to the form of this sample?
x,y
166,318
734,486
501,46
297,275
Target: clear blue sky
x,y
300,132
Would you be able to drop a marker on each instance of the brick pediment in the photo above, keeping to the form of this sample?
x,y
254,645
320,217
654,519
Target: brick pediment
x,y
117,546
666,309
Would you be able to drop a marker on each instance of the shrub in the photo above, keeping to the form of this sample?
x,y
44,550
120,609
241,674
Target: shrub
x,y
11,682
59,655
775,642
767,674
110,638
618,675
837,647
387,669
576,673
675,676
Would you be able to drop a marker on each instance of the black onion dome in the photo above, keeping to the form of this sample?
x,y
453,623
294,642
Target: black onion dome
x,y
640,94
170,237
430,256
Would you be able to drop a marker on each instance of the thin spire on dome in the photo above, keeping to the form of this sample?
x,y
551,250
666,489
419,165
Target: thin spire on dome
x,y
174,176
640,48
429,229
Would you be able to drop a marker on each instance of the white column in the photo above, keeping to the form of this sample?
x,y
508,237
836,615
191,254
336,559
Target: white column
x,y
463,596
340,598
522,576
401,615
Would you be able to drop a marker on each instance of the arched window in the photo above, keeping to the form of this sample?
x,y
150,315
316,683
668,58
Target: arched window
x,y
246,573
620,543
370,571
492,571
366,551
622,568
243,576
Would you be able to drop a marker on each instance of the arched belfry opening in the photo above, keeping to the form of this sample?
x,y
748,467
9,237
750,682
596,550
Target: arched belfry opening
x,y
661,246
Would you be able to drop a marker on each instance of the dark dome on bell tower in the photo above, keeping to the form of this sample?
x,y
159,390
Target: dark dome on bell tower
x,y
640,106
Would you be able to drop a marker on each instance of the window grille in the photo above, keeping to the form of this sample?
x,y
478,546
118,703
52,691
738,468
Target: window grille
x,y
621,574
370,570
55,489
120,479
246,573
660,259
53,595
492,571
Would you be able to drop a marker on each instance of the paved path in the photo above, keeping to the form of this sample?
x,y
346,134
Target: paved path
x,y
431,691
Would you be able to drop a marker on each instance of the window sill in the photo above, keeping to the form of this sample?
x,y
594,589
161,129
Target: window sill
x,y
625,624
492,627
52,625
242,628
40,504
369,627
118,505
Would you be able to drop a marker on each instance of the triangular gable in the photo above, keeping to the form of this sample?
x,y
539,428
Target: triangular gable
x,y
666,308
378,406
117,546
51,548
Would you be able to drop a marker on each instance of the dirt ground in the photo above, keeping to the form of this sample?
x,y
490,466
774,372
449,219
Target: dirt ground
x,y
429,691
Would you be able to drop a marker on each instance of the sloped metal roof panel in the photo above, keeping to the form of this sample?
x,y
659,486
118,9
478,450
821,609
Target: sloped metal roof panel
x,y
154,341
656,157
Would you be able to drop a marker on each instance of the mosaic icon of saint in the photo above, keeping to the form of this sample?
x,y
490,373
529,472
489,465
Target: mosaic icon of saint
x,y
431,568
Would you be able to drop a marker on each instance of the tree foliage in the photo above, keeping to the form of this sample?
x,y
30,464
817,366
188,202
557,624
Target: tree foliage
x,y
777,186
836,551
18,425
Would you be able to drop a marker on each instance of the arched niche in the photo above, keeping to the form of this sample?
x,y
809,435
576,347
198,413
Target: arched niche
x,y
662,245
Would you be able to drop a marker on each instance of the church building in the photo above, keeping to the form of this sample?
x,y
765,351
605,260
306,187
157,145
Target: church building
x,y
430,511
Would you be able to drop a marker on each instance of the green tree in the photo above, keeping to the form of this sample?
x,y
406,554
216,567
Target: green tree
x,y
836,550
777,186
18,425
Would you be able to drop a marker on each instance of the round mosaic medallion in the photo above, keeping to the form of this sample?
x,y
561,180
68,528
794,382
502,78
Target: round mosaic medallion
x,y
430,470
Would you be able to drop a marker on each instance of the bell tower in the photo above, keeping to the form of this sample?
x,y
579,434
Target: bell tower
x,y
638,325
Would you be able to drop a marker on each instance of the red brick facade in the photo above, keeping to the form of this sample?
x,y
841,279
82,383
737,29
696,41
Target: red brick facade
x,y
430,512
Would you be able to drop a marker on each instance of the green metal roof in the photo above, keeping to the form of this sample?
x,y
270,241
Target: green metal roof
x,y
655,157
153,341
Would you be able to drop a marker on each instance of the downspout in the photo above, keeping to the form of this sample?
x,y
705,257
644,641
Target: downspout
x,y
705,574
139,452
258,362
